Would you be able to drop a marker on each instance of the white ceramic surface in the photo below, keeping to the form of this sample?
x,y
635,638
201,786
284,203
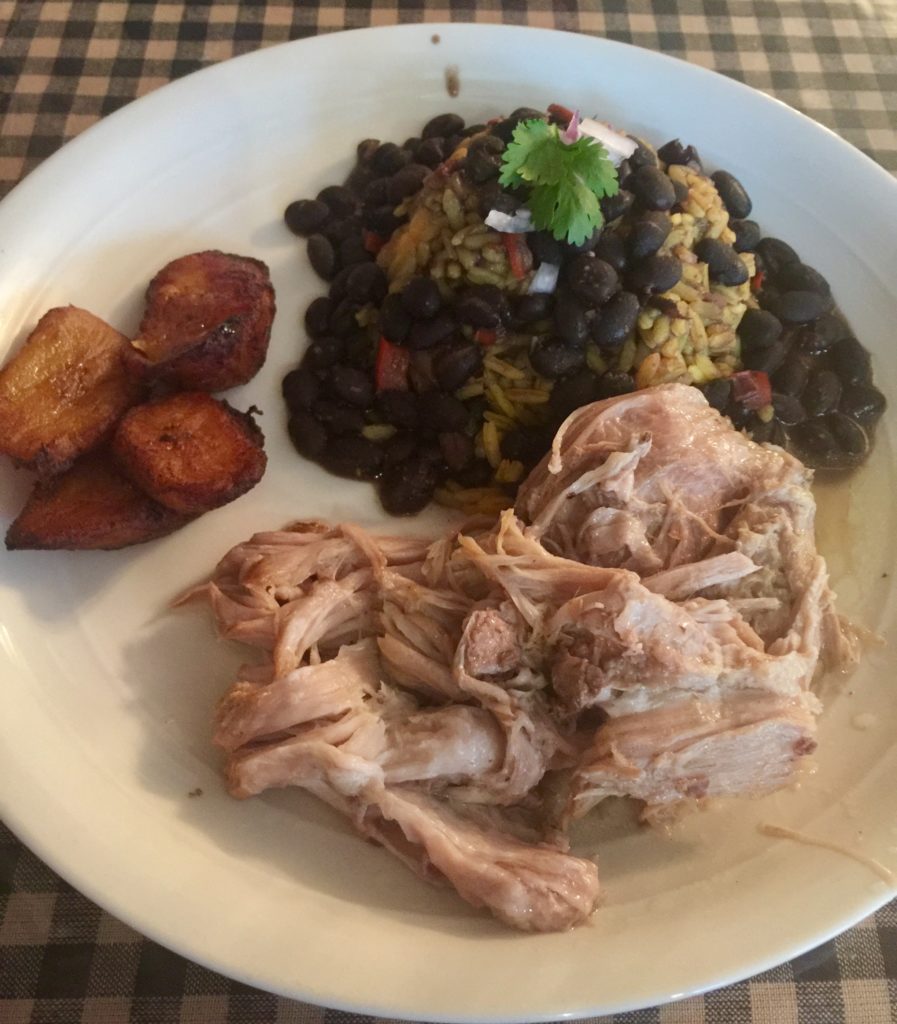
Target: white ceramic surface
x,y
107,696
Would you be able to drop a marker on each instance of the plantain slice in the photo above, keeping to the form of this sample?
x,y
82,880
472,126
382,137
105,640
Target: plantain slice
x,y
63,392
90,506
207,322
189,451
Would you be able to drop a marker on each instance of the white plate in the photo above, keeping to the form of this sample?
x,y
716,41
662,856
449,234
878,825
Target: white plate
x,y
107,696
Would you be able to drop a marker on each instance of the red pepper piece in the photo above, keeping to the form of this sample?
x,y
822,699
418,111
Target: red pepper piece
x,y
751,388
391,367
564,113
372,241
757,280
519,256
484,336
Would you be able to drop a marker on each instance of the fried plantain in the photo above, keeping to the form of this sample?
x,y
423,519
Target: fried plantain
x,y
189,451
90,506
63,392
207,322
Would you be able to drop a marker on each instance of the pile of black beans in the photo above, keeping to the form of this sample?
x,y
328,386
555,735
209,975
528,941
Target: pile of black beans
x,y
823,399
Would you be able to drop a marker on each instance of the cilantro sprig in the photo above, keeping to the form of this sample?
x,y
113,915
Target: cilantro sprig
x,y
565,180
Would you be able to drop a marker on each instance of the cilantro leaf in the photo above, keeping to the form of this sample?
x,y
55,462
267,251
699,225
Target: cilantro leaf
x,y
565,180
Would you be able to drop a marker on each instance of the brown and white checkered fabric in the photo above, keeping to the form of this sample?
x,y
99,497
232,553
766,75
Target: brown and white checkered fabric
x,y
63,66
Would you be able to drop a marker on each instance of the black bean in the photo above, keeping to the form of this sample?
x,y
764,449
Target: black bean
x,y
375,193
674,152
472,310
612,249
527,114
615,206
337,289
494,297
570,320
813,442
411,145
788,409
382,220
822,393
300,389
863,403
353,250
528,445
454,365
422,298
586,245
361,351
552,358
338,199
655,274
339,229
614,383
759,328
421,375
366,149
733,194
405,488
682,192
353,457
747,235
405,182
572,393
342,318
494,197
441,412
648,233
366,283
305,216
480,167
308,436
723,262
775,255
652,188
792,376
591,279
544,247
427,333
824,332
395,320
718,393
398,448
399,408
851,437
337,418
350,385
851,362
768,297
642,155
801,307
317,316
769,432
358,180
530,308
616,321
388,159
322,256
456,448
800,277
741,418
324,351
765,358
443,124
486,144
431,152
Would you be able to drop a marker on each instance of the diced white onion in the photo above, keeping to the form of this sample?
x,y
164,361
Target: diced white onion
x,y
619,147
511,223
545,279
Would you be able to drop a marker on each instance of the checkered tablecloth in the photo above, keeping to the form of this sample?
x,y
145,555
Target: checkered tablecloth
x,y
64,65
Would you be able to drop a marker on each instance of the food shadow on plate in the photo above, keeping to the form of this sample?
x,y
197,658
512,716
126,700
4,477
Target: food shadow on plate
x,y
286,834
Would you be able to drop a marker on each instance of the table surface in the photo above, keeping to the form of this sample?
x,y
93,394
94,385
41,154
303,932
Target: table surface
x,y
65,65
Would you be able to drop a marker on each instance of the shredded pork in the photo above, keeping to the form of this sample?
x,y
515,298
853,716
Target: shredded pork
x,y
647,622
